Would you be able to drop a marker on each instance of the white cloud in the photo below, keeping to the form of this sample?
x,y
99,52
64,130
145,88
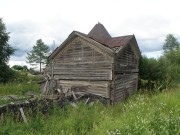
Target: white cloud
x,y
16,62
29,20
154,54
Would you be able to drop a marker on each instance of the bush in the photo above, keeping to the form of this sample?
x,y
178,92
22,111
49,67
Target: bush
x,y
157,73
18,67
6,73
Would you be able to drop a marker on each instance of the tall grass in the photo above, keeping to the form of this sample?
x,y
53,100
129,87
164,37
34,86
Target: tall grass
x,y
139,115
18,89
21,85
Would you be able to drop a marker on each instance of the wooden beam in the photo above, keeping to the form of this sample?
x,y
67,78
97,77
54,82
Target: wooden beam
x,y
23,115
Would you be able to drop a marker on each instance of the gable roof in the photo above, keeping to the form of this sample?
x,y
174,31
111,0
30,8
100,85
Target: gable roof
x,y
100,36
83,36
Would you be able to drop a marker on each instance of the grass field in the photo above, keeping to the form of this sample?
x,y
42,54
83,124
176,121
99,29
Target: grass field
x,y
141,114
18,89
21,86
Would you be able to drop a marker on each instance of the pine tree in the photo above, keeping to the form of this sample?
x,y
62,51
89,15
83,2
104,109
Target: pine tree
x,y
39,54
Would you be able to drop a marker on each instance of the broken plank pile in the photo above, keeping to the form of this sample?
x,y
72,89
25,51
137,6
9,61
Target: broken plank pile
x,y
53,90
43,104
52,93
73,98
20,109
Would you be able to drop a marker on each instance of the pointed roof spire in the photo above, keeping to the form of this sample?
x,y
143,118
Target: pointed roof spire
x,y
99,33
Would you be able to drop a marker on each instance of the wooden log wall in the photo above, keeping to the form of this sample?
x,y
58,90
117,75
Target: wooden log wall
x,y
83,66
100,88
126,74
126,61
125,85
82,61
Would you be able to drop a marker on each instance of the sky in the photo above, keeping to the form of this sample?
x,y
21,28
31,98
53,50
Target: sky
x,y
53,20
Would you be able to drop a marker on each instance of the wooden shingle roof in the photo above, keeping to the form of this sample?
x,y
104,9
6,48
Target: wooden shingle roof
x,y
119,41
101,35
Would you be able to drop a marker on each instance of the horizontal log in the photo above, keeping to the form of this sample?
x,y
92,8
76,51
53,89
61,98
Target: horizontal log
x,y
102,64
83,83
126,71
81,78
98,87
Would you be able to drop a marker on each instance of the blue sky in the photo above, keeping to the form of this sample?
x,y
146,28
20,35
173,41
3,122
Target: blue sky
x,y
29,20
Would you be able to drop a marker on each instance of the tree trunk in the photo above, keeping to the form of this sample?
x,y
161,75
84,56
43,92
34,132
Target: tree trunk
x,y
40,67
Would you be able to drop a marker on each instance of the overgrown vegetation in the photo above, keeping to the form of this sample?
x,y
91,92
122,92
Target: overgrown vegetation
x,y
21,82
141,114
163,72
19,89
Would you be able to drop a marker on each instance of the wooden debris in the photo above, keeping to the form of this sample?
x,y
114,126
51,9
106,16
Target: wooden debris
x,y
87,100
58,90
73,104
75,98
23,115
14,97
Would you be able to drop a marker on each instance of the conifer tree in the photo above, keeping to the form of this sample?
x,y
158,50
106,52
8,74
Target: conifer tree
x,y
39,54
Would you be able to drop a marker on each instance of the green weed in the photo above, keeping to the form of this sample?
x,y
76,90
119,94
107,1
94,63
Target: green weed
x,y
18,89
141,114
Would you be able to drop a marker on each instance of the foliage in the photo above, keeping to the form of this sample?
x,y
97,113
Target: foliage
x,y
172,57
6,73
5,49
5,52
21,85
141,114
162,72
33,71
151,73
170,43
171,49
18,67
38,55
150,69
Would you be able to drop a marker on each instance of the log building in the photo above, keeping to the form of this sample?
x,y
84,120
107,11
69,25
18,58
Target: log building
x,y
97,63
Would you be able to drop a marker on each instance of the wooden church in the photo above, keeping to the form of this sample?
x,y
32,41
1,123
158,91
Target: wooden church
x,y
97,63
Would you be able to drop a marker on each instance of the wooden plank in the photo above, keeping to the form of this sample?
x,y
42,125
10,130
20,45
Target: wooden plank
x,y
81,78
96,87
23,115
126,72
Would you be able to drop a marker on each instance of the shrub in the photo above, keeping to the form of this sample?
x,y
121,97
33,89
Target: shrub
x,y
18,67
6,73
157,73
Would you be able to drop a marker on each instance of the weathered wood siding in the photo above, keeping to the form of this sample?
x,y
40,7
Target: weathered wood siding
x,y
80,60
125,73
81,63
96,87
